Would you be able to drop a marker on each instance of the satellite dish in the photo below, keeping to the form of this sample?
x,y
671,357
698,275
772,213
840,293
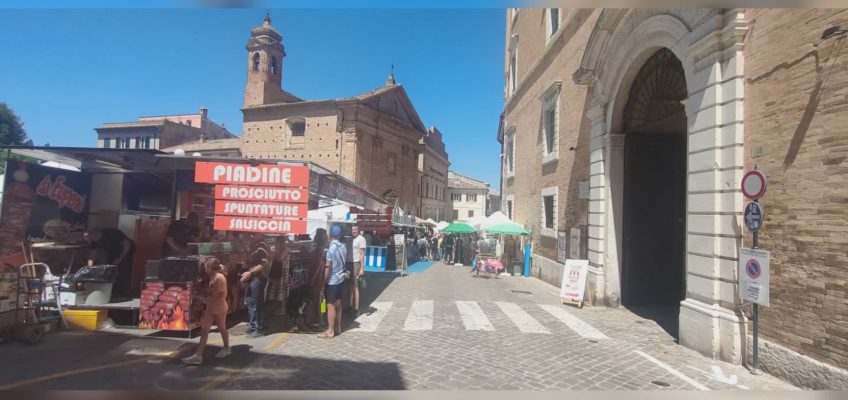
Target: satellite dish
x,y
179,152
196,154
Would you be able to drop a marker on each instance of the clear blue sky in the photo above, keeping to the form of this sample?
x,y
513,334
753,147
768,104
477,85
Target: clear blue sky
x,y
64,72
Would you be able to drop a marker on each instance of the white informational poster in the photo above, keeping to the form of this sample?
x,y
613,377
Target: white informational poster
x,y
754,276
574,280
399,239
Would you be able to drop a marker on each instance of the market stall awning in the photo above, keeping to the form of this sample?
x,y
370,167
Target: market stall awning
x,y
509,229
459,227
323,183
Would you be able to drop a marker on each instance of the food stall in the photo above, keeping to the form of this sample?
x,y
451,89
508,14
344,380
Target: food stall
x,y
142,192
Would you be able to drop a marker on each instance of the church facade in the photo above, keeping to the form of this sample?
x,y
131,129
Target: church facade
x,y
375,139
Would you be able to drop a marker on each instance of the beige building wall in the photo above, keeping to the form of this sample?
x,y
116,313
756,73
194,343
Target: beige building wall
x,y
764,89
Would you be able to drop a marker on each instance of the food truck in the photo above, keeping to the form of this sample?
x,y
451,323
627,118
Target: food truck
x,y
141,193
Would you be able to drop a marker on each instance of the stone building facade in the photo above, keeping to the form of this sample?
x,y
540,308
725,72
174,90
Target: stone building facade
x,y
373,139
467,197
635,126
159,132
433,168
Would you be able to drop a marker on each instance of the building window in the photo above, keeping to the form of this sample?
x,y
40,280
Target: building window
x,y
514,12
297,127
552,22
273,65
549,211
392,164
509,202
107,143
471,198
455,215
256,61
145,142
510,153
550,122
456,196
470,213
513,67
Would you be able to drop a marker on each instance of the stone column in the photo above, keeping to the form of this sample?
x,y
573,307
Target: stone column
x,y
597,231
709,322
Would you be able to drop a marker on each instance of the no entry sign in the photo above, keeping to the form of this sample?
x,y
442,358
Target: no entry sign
x,y
754,184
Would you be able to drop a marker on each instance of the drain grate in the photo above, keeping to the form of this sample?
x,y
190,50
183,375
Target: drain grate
x,y
521,291
660,383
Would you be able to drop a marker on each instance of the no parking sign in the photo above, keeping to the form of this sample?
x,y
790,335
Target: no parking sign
x,y
754,276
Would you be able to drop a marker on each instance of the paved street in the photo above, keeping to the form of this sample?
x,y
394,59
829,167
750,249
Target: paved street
x,y
439,329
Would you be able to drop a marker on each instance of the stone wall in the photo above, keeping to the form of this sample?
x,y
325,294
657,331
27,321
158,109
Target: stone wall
x,y
557,62
795,124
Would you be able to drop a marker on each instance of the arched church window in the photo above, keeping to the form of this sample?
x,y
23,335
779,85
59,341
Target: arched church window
x,y
256,61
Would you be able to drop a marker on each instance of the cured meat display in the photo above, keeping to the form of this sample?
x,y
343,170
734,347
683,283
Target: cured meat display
x,y
169,306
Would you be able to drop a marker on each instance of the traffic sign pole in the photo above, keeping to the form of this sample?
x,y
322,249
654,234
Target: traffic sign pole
x,y
755,369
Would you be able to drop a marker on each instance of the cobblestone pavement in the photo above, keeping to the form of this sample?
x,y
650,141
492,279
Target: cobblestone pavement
x,y
516,343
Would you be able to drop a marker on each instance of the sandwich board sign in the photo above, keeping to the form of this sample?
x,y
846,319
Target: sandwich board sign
x,y
754,276
574,281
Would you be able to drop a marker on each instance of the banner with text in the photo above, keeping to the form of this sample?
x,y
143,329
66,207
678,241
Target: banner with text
x,y
264,198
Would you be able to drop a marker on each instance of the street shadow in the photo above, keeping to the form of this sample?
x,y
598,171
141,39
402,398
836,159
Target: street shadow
x,y
103,361
666,317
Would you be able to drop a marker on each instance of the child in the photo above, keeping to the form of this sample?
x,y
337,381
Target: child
x,y
216,311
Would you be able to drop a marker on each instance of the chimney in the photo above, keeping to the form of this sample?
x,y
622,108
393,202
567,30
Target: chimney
x,y
203,111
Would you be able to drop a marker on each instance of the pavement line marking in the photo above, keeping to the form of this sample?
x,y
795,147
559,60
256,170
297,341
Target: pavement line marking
x,y
420,317
521,318
575,324
673,371
86,370
473,317
214,382
369,320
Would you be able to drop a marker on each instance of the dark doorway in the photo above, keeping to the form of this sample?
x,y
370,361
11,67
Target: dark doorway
x,y
653,271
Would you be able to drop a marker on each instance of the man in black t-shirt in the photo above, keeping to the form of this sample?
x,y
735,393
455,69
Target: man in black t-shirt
x,y
110,246
180,234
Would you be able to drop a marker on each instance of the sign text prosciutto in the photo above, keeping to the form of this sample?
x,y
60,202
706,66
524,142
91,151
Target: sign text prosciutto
x,y
246,174
259,193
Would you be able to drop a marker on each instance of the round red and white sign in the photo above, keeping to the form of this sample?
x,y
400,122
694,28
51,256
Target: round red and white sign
x,y
754,184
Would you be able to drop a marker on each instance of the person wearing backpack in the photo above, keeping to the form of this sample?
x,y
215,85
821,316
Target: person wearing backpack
x,y
335,277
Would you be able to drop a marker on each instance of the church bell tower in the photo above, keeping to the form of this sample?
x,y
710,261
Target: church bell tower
x,y
265,54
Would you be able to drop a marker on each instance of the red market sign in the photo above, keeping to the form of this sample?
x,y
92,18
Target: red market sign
x,y
260,225
248,209
246,174
259,193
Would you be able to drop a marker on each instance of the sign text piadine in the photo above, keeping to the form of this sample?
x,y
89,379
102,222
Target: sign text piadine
x,y
245,174
261,225
259,193
225,207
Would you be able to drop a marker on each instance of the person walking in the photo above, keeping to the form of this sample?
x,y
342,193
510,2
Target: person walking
x,y
256,278
440,244
359,244
449,248
334,273
279,284
215,312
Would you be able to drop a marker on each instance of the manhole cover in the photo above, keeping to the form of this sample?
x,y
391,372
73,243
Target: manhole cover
x,y
521,291
660,383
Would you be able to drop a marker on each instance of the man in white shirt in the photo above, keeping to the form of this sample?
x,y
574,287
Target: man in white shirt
x,y
359,245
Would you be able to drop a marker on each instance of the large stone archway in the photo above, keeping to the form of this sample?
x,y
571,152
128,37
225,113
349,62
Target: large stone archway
x,y
708,45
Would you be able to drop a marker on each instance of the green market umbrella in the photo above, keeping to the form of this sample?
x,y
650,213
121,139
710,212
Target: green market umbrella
x,y
459,227
508,229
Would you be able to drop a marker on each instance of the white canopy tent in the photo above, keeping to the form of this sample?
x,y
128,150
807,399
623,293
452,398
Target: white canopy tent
x,y
496,218
441,225
320,217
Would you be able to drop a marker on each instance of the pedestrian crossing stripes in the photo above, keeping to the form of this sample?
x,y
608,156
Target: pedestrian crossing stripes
x,y
473,316
576,324
420,317
521,318
369,321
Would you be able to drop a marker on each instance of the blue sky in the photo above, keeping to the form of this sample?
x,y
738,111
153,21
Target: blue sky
x,y
64,72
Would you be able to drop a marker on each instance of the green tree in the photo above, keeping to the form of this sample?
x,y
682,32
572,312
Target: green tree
x,y
11,133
